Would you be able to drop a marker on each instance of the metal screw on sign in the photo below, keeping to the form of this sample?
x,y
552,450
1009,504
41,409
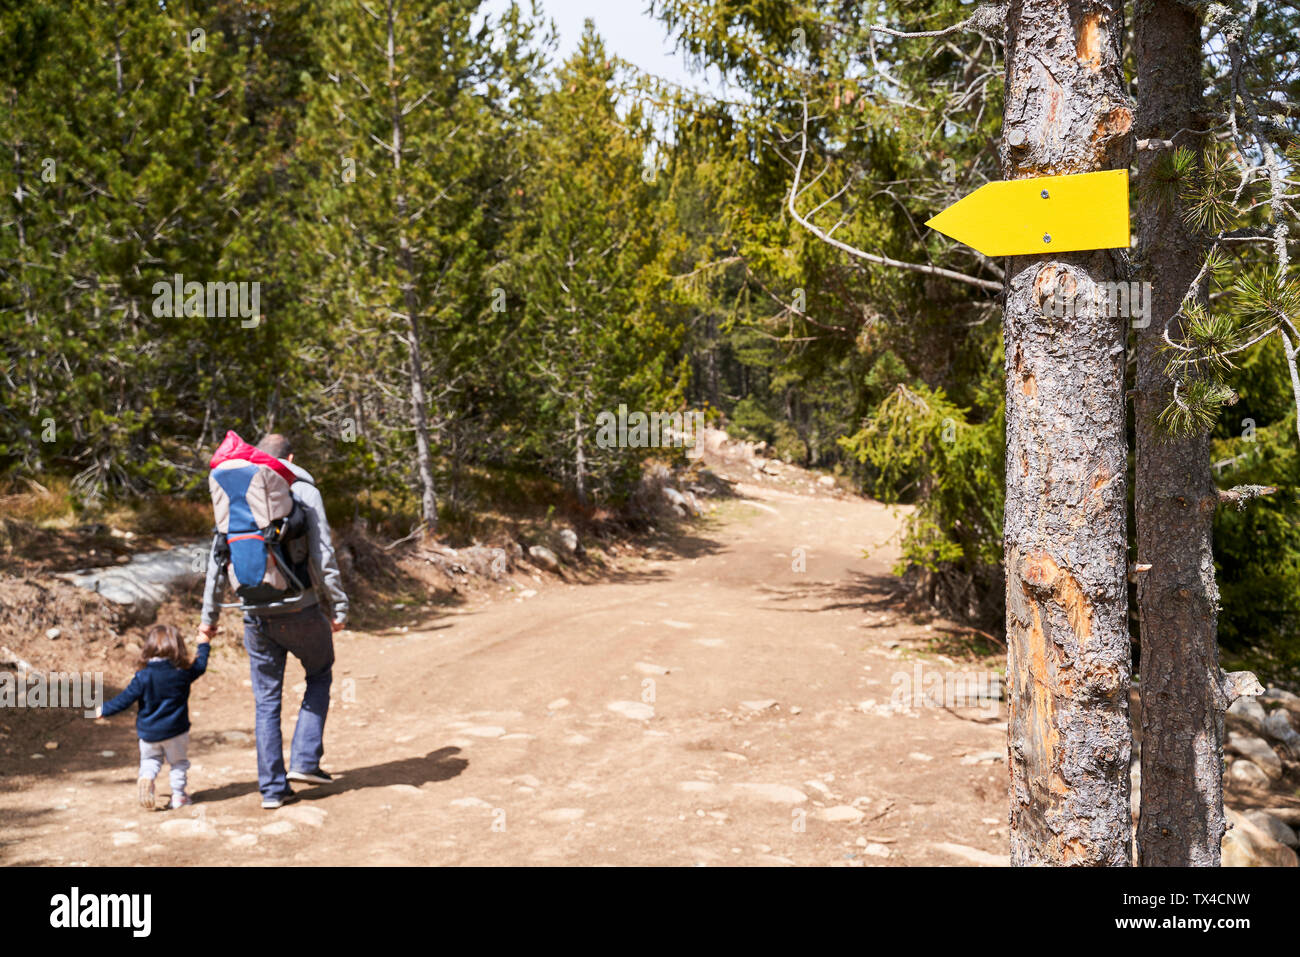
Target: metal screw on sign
x,y
1047,238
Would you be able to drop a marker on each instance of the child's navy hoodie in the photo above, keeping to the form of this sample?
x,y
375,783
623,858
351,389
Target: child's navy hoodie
x,y
163,691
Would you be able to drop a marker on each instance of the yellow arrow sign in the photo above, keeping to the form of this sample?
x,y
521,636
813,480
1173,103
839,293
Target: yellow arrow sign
x,y
1046,214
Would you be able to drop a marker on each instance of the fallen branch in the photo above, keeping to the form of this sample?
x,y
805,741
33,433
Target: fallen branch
x,y
416,533
983,634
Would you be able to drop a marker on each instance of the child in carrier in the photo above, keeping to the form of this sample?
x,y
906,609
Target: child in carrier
x,y
162,687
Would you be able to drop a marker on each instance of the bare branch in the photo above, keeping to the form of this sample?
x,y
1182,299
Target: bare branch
x,y
1240,495
987,19
853,251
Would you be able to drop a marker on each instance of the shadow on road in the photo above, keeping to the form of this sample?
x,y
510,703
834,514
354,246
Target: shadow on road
x,y
862,591
438,765
17,824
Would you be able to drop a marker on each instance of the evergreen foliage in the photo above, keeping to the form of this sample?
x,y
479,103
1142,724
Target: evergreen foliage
x,y
545,241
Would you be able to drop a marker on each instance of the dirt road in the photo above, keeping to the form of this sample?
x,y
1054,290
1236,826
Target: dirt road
x,y
715,707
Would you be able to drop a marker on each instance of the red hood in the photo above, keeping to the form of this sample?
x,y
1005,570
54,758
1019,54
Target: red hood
x,y
233,447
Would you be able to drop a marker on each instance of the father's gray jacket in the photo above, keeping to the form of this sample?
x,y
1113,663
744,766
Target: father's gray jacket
x,y
325,578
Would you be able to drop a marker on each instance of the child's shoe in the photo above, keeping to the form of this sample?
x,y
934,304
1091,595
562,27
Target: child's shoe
x,y
181,800
144,788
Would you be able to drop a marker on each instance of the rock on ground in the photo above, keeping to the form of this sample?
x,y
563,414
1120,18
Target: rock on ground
x,y
1277,694
632,709
187,827
1278,727
543,556
841,814
562,815
1247,772
311,816
1249,709
775,793
143,583
679,502
1258,751
1246,845
1274,827
1289,816
985,757
973,855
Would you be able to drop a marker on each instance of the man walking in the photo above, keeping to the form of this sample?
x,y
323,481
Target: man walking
x,y
301,629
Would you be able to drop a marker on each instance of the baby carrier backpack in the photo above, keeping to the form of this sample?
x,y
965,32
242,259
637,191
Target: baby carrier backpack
x,y
260,541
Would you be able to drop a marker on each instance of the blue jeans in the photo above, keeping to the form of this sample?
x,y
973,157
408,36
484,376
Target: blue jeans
x,y
308,637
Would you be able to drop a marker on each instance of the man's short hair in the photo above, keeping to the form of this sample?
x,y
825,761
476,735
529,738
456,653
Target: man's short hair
x,y
275,444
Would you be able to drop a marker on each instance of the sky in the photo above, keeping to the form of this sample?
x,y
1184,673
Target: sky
x,y
627,30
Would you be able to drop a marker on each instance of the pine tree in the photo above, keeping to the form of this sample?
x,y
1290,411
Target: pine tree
x,y
597,328
1201,227
1181,822
1066,461
392,143
130,155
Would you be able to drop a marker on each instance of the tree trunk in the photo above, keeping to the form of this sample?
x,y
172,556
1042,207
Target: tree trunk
x,y
1175,495
1065,530
579,460
457,460
419,403
423,452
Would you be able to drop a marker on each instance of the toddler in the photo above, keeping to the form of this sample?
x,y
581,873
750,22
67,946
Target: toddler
x,y
162,688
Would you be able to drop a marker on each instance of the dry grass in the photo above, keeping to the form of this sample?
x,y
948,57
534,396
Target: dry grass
x,y
166,515
48,504
51,505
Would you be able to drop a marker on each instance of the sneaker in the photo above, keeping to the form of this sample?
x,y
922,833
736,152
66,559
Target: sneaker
x,y
311,777
181,800
144,790
276,801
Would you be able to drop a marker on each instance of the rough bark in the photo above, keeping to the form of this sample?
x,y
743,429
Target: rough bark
x,y
1181,821
579,460
1065,530
419,401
